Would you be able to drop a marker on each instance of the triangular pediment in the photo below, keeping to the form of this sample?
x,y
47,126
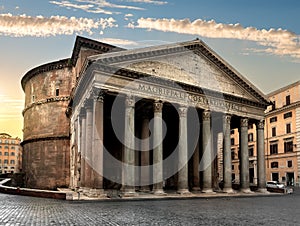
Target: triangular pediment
x,y
191,63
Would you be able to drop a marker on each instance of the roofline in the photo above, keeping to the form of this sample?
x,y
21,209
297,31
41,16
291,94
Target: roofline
x,y
44,68
280,90
91,44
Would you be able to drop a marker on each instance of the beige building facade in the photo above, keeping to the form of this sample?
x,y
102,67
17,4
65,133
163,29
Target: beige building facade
x,y
283,135
10,154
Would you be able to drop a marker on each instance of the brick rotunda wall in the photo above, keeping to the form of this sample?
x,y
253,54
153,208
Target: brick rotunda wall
x,y
46,141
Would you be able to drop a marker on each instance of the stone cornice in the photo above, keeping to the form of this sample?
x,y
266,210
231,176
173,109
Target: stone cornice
x,y
91,44
45,138
48,100
44,68
283,109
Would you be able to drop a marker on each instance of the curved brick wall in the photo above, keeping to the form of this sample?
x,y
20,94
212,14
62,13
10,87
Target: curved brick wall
x,y
46,127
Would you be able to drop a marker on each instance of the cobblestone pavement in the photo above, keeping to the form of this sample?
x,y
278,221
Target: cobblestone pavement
x,y
278,210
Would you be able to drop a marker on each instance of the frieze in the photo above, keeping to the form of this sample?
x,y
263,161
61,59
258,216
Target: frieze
x,y
193,99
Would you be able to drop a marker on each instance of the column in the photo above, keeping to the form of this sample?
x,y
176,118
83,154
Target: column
x,y
244,161
145,153
129,152
88,143
207,152
183,152
261,166
158,149
227,164
82,146
98,139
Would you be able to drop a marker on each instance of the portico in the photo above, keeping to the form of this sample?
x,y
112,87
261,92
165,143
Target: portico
x,y
147,118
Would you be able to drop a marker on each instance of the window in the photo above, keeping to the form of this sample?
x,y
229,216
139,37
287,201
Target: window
x,y
274,132
273,148
57,92
5,161
250,126
12,162
6,153
288,146
0,152
0,160
0,147
232,141
12,148
32,98
274,164
287,115
232,167
232,131
250,137
6,141
274,105
251,151
288,128
290,163
273,119
288,100
5,147
12,153
232,154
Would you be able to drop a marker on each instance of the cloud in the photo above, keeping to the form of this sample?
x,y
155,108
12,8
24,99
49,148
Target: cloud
x,y
119,42
149,2
274,41
10,108
94,6
19,26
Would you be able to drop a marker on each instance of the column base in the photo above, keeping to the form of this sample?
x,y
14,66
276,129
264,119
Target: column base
x,y
159,192
246,190
228,190
262,190
208,190
129,194
145,190
183,192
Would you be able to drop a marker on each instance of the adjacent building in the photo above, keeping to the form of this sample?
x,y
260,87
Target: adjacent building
x,y
283,135
10,154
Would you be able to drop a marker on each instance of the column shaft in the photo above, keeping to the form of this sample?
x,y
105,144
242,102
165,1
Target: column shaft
x,y
88,150
183,152
82,147
98,139
207,152
227,162
129,152
261,166
244,161
158,149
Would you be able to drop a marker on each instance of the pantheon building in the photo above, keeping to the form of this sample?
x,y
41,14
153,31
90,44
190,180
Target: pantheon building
x,y
150,119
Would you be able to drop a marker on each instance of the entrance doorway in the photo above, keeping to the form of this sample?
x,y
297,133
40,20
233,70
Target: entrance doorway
x,y
290,179
275,177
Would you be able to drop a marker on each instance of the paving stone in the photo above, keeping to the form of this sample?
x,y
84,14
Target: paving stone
x,y
275,210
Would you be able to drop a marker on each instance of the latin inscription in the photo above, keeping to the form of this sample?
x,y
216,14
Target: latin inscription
x,y
195,99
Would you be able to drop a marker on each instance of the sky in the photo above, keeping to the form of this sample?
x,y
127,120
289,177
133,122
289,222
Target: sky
x,y
259,38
